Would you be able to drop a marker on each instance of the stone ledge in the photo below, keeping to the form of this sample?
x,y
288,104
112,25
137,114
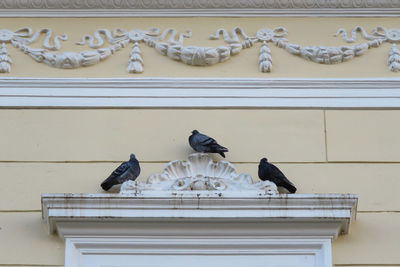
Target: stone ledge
x,y
297,214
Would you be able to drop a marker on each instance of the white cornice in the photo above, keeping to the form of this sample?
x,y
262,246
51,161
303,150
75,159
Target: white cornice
x,y
231,12
113,229
198,92
65,212
138,8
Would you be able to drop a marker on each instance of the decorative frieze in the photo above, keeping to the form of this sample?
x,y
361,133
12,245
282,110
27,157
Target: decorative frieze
x,y
190,4
196,8
5,60
394,59
236,40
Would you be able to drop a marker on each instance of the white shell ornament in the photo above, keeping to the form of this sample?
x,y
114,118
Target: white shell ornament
x,y
199,173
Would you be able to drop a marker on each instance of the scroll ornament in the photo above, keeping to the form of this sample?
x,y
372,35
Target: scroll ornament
x,y
169,43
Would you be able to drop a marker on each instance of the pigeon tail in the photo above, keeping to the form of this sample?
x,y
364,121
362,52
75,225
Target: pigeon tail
x,y
108,183
291,188
220,150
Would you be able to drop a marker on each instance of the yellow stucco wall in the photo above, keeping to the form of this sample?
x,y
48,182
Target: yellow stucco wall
x,y
322,151
73,150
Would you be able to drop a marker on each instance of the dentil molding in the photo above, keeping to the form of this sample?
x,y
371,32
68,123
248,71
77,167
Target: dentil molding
x,y
169,43
140,8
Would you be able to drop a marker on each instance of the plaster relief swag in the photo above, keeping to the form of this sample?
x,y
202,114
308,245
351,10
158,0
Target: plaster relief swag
x,y
169,43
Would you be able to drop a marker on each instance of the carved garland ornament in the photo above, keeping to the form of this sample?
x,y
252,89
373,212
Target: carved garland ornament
x,y
199,172
170,44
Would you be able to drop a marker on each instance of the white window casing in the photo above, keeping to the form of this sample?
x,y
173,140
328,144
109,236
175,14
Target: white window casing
x,y
198,228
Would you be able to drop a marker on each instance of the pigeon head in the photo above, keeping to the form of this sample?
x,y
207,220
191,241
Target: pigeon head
x,y
132,157
195,132
264,160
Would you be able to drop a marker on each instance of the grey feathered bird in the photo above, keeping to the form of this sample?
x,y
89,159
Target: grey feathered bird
x,y
268,171
205,144
128,170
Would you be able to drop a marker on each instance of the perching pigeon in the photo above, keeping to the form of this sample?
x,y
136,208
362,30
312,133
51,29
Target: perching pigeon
x,y
268,171
205,144
128,170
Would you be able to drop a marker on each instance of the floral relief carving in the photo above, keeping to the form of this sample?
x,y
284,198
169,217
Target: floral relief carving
x,y
104,43
394,59
5,60
21,38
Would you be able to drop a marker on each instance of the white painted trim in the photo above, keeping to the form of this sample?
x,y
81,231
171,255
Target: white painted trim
x,y
198,92
246,206
146,228
184,8
157,251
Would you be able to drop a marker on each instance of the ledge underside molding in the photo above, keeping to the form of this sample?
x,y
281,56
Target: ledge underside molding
x,y
279,211
131,8
198,93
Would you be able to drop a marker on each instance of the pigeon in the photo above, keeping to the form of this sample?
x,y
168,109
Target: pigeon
x,y
128,170
268,171
205,144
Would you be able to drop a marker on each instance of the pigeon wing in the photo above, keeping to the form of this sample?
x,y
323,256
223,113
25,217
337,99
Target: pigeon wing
x,y
121,169
277,173
113,179
205,140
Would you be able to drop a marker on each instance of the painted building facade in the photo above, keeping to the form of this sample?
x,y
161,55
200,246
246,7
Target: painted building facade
x,y
332,128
